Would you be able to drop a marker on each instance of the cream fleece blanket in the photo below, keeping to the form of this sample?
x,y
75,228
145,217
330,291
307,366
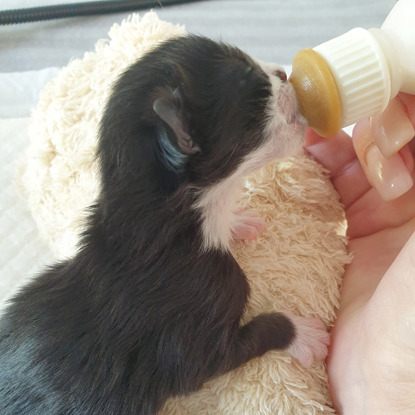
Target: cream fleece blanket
x,y
296,265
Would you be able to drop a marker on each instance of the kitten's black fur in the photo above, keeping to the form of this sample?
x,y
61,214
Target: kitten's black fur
x,y
143,311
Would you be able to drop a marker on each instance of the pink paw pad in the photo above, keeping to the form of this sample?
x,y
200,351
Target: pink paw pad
x,y
311,340
248,225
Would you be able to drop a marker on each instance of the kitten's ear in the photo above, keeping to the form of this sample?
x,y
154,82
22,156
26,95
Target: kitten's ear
x,y
169,107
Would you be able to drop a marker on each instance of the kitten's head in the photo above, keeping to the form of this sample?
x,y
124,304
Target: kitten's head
x,y
202,110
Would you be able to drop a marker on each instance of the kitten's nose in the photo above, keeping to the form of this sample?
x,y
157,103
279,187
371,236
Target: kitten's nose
x,y
281,74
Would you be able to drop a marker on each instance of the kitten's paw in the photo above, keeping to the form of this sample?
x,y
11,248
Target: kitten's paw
x,y
248,225
310,342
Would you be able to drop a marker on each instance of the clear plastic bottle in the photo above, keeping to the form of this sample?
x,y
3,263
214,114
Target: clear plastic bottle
x,y
355,75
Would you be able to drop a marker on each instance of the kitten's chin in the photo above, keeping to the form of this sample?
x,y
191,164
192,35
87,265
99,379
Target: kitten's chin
x,y
288,105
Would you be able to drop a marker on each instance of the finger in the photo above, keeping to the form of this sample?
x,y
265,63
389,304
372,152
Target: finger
x,y
337,155
392,129
333,153
370,214
408,102
407,154
390,176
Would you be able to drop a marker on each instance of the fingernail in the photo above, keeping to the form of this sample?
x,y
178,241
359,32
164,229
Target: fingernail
x,y
389,176
392,129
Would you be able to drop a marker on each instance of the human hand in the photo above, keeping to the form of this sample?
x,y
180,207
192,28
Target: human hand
x,y
371,363
380,145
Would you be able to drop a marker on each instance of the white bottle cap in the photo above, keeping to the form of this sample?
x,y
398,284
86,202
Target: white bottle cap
x,y
361,72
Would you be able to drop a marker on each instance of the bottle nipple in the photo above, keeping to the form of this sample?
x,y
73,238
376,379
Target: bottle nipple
x,y
317,94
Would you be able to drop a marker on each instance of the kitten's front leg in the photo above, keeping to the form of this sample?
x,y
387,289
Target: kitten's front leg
x,y
247,224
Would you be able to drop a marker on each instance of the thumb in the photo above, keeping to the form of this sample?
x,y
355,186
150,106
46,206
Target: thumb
x,y
393,300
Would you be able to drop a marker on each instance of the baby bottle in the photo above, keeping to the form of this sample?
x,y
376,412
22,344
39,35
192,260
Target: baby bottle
x,y
355,75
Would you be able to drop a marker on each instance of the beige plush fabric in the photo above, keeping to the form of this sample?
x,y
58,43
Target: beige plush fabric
x,y
296,265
